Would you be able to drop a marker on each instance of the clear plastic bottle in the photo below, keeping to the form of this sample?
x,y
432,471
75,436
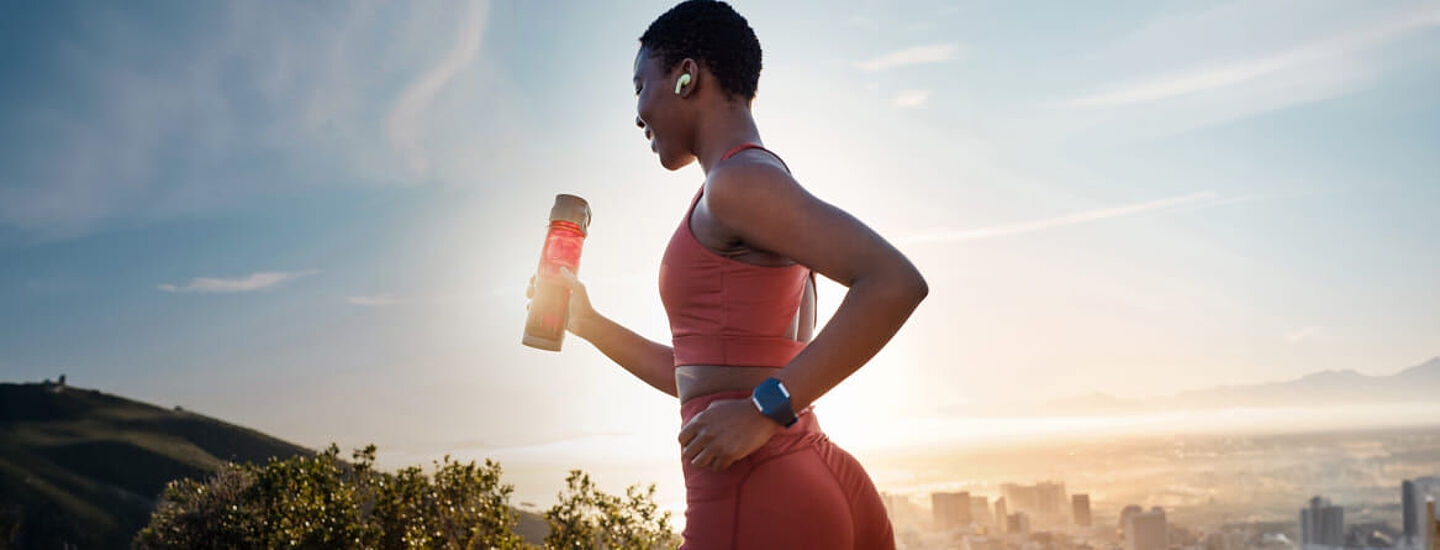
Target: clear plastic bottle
x,y
550,306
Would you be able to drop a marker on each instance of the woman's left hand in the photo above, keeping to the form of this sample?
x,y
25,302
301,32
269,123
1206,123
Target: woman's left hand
x,y
726,431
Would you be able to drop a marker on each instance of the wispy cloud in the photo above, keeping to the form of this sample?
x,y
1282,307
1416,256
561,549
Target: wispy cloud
x,y
148,137
404,121
1304,333
911,98
374,300
933,53
255,281
952,235
1328,54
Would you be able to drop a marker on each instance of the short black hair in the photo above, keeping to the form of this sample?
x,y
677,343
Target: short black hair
x,y
714,35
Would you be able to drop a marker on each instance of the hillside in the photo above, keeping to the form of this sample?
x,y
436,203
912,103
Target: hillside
x,y
83,467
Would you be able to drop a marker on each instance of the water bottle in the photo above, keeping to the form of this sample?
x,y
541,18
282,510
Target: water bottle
x,y
550,306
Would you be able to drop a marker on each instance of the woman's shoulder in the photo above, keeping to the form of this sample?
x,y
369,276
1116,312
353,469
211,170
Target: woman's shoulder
x,y
749,177
752,192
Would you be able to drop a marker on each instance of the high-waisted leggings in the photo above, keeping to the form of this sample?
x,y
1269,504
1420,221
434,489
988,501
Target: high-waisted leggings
x,y
799,490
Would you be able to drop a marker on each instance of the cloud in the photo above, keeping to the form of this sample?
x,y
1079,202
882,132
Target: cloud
x,y
953,235
1304,333
911,98
151,121
934,53
1295,65
404,120
255,281
374,300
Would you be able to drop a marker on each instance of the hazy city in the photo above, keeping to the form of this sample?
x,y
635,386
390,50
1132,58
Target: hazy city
x,y
1211,492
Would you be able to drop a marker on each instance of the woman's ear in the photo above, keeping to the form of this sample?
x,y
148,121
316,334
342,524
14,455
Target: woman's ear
x,y
686,86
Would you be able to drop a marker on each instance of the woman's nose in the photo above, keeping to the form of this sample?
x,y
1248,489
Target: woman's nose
x,y
639,122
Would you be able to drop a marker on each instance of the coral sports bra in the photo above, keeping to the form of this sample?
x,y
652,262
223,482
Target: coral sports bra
x,y
726,312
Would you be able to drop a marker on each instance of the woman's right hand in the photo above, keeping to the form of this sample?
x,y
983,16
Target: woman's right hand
x,y
580,309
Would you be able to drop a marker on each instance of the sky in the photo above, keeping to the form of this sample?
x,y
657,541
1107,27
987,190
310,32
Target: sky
x,y
318,220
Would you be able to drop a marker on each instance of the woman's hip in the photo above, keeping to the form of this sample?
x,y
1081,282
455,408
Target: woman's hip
x,y
802,489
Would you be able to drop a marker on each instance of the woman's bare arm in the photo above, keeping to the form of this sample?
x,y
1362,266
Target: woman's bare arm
x,y
767,209
650,361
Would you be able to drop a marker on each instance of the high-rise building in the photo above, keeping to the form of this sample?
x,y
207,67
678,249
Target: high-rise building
x,y
1046,498
952,510
1322,524
980,511
1001,515
1052,499
1018,522
1413,493
1147,530
1080,509
1432,525
1125,515
1409,516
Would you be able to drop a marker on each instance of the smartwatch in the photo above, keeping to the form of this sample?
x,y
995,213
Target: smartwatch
x,y
773,400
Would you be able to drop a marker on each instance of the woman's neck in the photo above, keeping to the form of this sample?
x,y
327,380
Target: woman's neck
x,y
722,133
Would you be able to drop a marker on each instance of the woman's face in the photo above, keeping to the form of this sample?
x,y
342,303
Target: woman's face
x,y
661,113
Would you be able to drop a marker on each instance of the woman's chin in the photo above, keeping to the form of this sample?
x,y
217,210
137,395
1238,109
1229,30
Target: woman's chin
x,y
672,163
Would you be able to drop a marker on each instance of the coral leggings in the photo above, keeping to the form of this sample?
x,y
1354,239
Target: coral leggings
x,y
799,490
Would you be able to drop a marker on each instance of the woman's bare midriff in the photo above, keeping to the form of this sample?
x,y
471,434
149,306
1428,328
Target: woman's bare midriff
x,y
697,380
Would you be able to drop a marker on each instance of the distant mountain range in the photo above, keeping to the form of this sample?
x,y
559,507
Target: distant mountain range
x,y
1420,383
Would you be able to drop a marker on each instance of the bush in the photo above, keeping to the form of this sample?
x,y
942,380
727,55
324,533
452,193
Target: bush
x,y
588,518
323,502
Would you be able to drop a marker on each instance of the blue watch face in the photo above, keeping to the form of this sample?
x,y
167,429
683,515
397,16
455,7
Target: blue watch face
x,y
770,394
773,400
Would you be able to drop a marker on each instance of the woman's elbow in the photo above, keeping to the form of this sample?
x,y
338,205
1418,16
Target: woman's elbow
x,y
917,286
909,285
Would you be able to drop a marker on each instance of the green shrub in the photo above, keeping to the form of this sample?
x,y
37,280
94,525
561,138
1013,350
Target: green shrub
x,y
323,502
589,518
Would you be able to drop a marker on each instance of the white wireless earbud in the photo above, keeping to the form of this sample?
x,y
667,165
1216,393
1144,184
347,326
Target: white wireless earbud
x,y
683,80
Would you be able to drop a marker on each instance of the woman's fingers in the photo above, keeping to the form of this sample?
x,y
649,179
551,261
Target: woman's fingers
x,y
704,459
563,276
688,432
695,446
568,277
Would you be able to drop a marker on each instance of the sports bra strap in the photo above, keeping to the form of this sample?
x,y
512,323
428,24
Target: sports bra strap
x,y
744,146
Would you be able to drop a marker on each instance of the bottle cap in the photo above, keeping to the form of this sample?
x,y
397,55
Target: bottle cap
x,y
572,209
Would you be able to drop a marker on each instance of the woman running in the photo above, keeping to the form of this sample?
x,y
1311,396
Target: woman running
x,y
737,281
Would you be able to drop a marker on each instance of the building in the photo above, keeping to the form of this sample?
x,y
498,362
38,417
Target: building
x,y
1125,515
1080,509
1018,523
1409,516
1322,524
980,511
1045,499
1001,516
1413,493
903,513
1147,530
951,510
1432,525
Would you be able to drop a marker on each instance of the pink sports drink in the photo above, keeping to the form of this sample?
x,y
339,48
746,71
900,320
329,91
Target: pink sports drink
x,y
550,306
